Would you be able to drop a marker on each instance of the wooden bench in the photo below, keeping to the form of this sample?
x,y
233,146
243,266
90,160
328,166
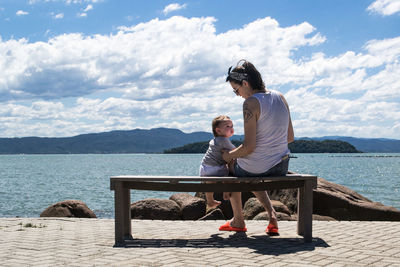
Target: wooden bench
x,y
123,184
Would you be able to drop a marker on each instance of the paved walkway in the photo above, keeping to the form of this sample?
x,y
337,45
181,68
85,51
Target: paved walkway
x,y
89,242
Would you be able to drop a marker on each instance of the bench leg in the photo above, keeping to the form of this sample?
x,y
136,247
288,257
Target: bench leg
x,y
123,228
304,211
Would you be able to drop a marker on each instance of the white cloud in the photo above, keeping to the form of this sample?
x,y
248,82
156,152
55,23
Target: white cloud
x,y
82,15
173,7
171,73
385,7
21,13
57,16
89,7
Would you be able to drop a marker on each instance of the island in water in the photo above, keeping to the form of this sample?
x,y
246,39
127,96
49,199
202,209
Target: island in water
x,y
298,146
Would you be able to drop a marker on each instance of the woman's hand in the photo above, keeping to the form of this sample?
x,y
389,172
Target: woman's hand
x,y
226,156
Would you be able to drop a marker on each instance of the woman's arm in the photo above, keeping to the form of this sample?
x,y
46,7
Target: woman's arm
x,y
251,112
290,137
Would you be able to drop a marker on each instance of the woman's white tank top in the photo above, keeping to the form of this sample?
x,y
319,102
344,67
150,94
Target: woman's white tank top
x,y
271,134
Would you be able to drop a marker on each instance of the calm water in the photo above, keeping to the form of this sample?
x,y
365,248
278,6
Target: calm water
x,y
30,183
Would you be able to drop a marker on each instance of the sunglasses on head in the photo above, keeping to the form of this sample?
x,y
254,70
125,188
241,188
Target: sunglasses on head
x,y
238,76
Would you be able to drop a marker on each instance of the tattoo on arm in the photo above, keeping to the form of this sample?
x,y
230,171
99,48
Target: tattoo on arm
x,y
247,113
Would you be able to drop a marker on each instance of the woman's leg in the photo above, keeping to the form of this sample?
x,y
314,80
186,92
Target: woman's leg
x,y
280,169
236,202
262,196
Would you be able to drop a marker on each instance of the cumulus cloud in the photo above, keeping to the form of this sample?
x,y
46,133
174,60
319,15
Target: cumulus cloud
x,y
173,7
21,13
171,73
385,7
160,58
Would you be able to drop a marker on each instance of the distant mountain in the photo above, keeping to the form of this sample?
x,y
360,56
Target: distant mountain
x,y
149,141
133,141
372,145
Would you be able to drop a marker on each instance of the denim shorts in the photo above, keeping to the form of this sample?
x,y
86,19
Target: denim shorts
x,y
279,169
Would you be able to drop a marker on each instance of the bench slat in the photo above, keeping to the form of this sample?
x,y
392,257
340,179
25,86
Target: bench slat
x,y
177,183
215,187
209,178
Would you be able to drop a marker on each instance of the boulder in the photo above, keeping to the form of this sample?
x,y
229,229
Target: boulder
x,y
192,208
280,216
225,206
342,203
329,199
253,207
287,196
68,208
214,214
156,209
280,207
339,203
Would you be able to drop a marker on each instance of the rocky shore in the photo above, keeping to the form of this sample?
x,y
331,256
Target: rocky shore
x,y
331,202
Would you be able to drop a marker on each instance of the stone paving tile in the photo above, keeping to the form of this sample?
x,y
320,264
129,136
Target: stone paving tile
x,y
89,242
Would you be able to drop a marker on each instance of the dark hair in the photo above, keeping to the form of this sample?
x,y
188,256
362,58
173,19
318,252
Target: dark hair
x,y
246,71
216,121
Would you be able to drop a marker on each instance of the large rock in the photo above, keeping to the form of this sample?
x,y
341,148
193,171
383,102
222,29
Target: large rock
x,y
156,209
253,207
333,200
287,196
225,206
68,208
342,203
338,202
192,208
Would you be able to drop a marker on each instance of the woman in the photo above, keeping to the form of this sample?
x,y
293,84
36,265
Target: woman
x,y
267,131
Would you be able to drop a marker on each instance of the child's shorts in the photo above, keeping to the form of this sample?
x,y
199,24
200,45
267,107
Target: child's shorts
x,y
207,170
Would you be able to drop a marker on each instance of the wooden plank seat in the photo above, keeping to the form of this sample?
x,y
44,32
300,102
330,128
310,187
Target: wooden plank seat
x,y
123,184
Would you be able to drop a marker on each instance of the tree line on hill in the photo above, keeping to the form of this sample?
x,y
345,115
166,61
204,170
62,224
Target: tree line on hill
x,y
298,146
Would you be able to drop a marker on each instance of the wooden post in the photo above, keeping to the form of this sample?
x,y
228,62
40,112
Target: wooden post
x,y
123,229
304,210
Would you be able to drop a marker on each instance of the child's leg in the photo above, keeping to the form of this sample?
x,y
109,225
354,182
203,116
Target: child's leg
x,y
211,202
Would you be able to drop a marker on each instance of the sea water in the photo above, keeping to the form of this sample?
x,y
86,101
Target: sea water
x,y
31,183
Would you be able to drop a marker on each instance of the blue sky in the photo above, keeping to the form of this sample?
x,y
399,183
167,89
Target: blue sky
x,y
69,67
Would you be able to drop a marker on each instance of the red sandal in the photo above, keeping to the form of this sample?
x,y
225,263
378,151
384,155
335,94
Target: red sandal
x,y
272,230
227,227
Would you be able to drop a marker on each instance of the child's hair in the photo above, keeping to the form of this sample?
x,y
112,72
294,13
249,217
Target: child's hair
x,y
216,121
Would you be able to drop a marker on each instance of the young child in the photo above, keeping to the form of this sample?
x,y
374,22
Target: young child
x,y
213,163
